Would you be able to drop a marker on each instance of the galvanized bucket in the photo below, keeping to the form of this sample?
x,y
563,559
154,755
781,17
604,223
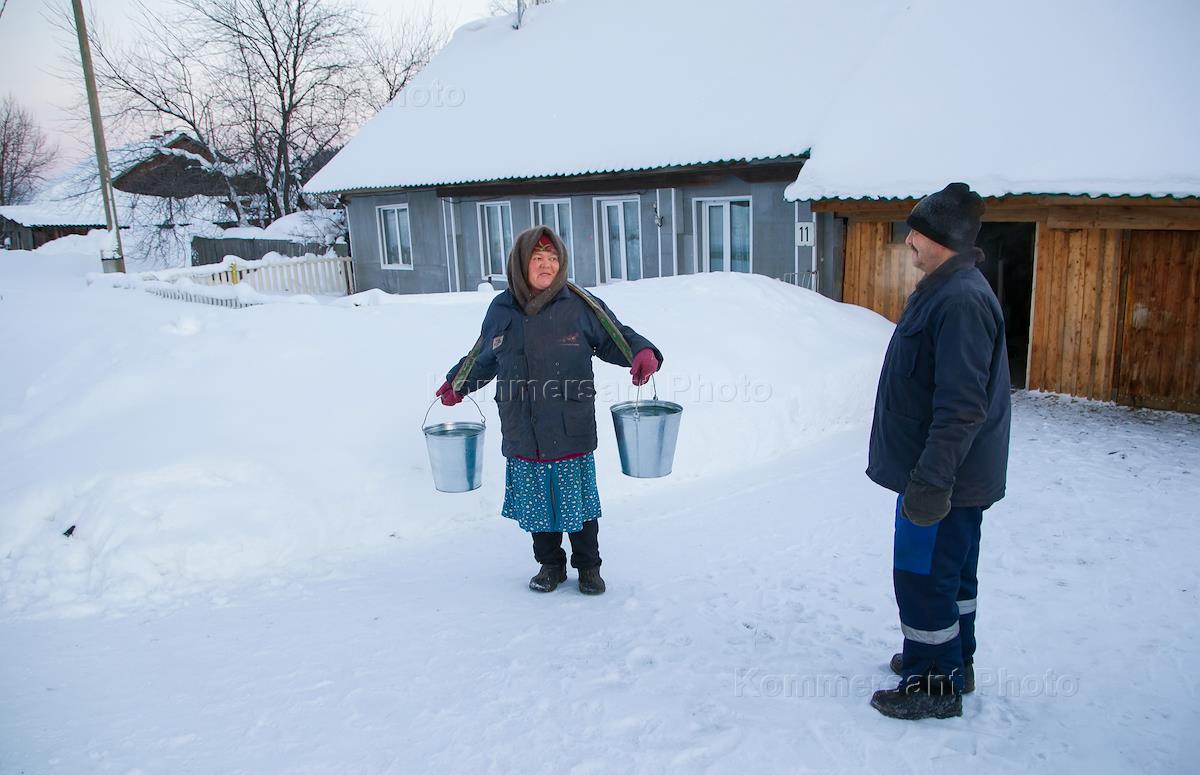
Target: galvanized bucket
x,y
646,436
455,452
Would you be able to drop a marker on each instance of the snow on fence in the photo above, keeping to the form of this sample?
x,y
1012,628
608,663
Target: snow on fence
x,y
207,251
234,283
326,276
186,294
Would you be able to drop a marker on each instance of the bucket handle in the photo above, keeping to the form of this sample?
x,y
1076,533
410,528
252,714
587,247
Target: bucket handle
x,y
436,399
637,399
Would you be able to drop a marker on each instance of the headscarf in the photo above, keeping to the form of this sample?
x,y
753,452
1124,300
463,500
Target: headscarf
x,y
517,269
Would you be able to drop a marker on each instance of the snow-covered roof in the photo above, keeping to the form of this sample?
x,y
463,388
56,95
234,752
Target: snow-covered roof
x,y
1081,97
592,86
52,214
73,198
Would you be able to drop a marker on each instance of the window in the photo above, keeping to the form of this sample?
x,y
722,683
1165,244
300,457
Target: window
x,y
723,226
556,213
495,236
621,238
899,232
395,237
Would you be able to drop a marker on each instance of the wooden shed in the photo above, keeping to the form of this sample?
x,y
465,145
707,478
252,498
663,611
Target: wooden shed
x,y
1101,295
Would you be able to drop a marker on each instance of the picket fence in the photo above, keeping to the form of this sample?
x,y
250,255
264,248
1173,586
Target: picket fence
x,y
321,275
237,284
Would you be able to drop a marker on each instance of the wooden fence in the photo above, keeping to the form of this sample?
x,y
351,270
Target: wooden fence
x,y
326,275
207,251
183,294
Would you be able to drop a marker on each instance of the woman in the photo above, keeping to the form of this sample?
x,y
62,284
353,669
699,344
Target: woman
x,y
538,339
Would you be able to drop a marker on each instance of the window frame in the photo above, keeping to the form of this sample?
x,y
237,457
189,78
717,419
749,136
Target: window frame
x,y
486,275
380,226
601,237
700,229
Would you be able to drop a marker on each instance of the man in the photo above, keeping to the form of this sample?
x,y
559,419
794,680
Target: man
x,y
940,440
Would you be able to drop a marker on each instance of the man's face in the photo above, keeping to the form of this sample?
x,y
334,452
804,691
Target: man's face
x,y
543,267
926,255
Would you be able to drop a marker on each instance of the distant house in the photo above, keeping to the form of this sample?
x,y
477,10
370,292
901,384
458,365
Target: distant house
x,y
1090,164
158,183
29,226
176,166
656,137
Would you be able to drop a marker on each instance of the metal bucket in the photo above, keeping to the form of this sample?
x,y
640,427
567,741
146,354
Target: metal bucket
x,y
646,436
455,452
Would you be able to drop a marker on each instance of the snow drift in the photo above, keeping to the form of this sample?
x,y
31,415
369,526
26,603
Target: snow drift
x,y
189,445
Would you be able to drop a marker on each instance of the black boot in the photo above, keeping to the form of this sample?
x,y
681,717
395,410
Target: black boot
x,y
933,697
897,666
548,578
590,582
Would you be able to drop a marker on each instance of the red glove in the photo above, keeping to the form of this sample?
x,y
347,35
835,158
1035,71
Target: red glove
x,y
448,396
644,364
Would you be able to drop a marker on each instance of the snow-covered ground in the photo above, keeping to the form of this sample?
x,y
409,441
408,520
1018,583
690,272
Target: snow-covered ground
x,y
261,578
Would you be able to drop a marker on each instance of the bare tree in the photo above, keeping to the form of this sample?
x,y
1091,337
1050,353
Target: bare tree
x,y
268,87
507,7
160,82
393,57
296,87
25,153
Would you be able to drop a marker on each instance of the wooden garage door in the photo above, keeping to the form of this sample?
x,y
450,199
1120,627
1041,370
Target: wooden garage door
x,y
879,274
1160,346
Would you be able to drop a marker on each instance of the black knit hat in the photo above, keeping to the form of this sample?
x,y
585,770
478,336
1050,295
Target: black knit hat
x,y
949,217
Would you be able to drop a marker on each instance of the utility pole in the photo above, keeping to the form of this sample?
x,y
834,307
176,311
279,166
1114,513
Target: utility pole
x,y
110,202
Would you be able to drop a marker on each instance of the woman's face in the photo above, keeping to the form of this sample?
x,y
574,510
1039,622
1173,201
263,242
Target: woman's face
x,y
543,268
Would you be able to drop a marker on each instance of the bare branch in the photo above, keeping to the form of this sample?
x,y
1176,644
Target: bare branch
x,y
25,154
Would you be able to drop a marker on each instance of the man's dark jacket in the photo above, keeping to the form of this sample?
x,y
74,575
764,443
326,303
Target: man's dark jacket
x,y
942,409
545,389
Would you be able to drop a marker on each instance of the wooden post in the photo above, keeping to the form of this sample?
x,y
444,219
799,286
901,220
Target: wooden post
x,y
233,272
106,191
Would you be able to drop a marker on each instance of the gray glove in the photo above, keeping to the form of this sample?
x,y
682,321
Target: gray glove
x,y
925,504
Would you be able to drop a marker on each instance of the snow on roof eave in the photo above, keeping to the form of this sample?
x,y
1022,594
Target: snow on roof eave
x,y
801,156
913,197
30,216
801,191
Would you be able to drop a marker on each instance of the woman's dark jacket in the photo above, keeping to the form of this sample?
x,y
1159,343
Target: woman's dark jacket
x,y
942,409
545,389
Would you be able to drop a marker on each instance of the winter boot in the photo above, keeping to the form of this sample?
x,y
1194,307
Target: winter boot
x,y
548,578
590,582
897,666
932,697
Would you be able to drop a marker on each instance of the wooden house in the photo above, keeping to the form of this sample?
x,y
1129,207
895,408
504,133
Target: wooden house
x,y
1090,173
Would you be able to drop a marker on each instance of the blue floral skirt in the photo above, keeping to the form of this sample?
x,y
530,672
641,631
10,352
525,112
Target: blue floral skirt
x,y
551,497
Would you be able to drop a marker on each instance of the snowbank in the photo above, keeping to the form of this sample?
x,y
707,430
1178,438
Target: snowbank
x,y
190,445
146,248
321,226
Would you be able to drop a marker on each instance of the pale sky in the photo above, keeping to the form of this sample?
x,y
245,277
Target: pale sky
x,y
32,66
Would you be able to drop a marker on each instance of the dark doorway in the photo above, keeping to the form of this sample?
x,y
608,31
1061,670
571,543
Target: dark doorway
x,y
1008,267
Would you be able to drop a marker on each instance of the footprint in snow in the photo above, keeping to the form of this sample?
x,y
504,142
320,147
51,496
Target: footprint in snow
x,y
185,326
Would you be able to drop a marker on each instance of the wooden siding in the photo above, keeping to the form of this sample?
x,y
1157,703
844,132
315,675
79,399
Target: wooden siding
x,y
1160,354
1060,212
878,274
1076,288
1116,291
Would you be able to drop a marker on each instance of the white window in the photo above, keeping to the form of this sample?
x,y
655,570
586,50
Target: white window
x,y
395,237
723,234
495,236
620,238
556,213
